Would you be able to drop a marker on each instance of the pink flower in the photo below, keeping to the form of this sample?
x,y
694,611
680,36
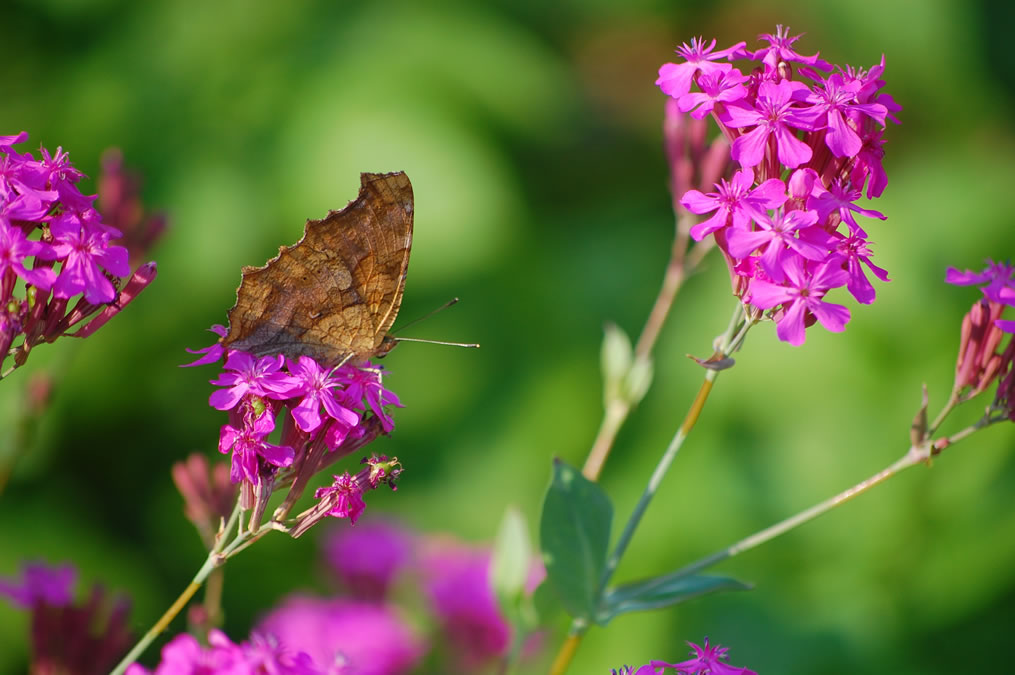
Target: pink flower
x,y
121,207
208,494
840,200
857,254
801,295
675,79
86,638
870,86
363,383
996,277
457,582
343,498
773,115
15,248
365,638
249,446
368,557
868,164
319,387
708,660
252,376
456,579
734,201
184,655
85,252
717,86
213,353
776,234
780,49
837,102
40,585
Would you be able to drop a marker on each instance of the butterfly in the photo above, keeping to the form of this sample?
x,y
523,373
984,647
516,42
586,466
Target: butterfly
x,y
333,295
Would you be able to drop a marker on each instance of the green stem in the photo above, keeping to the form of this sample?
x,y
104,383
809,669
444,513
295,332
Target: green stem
x,y
209,564
804,516
222,550
735,330
953,401
679,267
731,340
916,455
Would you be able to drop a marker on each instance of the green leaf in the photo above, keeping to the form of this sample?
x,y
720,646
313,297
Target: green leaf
x,y
574,535
545,605
663,591
512,558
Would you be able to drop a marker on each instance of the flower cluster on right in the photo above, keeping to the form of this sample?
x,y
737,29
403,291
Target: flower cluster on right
x,y
787,219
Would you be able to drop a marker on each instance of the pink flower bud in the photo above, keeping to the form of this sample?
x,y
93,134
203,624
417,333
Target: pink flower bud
x,y
978,362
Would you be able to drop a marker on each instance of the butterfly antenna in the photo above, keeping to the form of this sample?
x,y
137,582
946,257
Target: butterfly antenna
x,y
425,316
437,342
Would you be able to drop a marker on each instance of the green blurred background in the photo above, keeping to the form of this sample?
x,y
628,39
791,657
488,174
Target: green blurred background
x,y
532,135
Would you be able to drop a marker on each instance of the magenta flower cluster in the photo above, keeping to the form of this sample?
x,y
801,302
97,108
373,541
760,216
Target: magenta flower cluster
x,y
184,655
326,414
387,571
68,636
366,630
54,246
787,219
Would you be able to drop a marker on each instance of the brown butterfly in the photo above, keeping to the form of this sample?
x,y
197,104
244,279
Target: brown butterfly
x,y
334,295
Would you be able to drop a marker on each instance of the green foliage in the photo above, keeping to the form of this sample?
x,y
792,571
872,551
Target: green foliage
x,y
574,533
532,135
662,591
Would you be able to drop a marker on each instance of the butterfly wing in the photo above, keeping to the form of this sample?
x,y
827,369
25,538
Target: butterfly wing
x,y
334,295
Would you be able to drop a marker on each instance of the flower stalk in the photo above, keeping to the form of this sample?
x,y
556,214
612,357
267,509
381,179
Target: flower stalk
x,y
729,342
693,163
917,454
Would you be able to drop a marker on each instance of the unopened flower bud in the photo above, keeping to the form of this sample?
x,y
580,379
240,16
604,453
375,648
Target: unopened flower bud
x,y
138,281
978,362
208,494
1004,400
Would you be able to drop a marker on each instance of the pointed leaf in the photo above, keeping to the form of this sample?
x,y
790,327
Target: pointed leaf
x,y
574,535
662,592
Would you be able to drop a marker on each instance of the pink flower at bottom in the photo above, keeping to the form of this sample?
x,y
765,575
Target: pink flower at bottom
x,y
367,558
369,639
707,661
184,655
456,579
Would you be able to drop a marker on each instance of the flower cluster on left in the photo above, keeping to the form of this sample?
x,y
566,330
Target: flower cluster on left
x,y
54,246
